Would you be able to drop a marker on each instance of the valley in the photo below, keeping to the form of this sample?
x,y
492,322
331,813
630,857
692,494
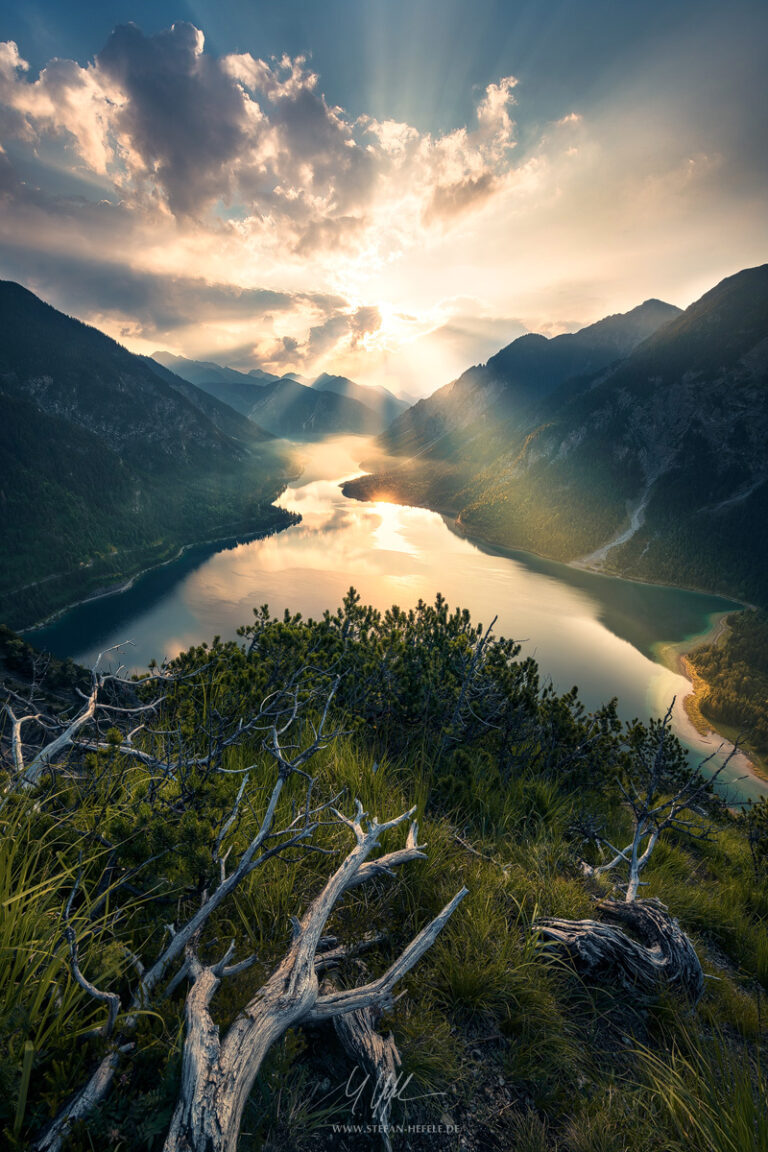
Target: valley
x,y
598,632
673,430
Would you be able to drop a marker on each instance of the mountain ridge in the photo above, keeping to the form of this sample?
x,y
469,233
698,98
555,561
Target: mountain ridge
x,y
110,464
668,442
510,385
284,410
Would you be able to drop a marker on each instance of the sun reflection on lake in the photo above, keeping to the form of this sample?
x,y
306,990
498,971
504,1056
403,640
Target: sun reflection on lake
x,y
592,631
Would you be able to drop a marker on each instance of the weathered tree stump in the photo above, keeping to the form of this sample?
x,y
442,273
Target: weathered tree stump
x,y
658,951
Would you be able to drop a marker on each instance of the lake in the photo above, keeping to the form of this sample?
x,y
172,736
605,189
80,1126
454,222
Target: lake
x,y
599,632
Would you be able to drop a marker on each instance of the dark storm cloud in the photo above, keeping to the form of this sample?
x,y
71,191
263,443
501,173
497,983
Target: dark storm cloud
x,y
184,115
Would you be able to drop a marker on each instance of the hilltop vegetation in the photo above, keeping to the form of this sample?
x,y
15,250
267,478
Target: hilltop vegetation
x,y
124,836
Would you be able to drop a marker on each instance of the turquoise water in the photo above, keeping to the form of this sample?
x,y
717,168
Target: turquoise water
x,y
598,632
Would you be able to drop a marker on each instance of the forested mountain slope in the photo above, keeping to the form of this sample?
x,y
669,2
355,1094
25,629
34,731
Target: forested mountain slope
x,y
287,405
654,469
508,389
106,466
288,408
387,406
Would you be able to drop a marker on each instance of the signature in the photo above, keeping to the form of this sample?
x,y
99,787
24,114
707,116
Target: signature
x,y
388,1088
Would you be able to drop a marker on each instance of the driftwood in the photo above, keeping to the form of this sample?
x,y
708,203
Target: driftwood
x,y
276,717
661,793
657,953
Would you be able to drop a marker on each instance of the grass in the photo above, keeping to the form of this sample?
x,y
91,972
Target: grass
x,y
42,1009
713,1096
588,1071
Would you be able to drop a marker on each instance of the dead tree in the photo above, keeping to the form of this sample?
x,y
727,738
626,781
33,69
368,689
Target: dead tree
x,y
658,951
661,793
267,843
218,1073
375,1054
56,736
273,722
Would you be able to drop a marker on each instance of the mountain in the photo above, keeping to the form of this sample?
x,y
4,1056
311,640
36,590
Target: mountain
x,y
109,463
514,381
382,401
203,372
237,394
285,410
227,416
237,390
654,468
288,408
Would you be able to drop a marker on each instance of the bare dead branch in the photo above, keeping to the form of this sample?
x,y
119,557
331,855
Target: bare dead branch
x,y
217,1075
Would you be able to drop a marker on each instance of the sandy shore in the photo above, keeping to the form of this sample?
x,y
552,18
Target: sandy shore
x,y
676,657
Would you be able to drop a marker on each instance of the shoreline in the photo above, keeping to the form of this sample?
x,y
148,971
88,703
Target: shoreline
x,y
675,657
578,565
671,655
126,585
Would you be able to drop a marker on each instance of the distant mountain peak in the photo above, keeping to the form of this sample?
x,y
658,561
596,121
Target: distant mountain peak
x,y
637,443
201,372
386,405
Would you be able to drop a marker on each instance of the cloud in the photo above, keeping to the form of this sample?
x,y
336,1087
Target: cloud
x,y
233,165
180,130
158,303
223,207
342,333
365,320
182,120
452,199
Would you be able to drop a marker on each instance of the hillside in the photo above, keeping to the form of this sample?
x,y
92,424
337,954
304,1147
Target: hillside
x,y
205,372
288,408
654,468
284,404
239,395
107,466
459,417
167,895
387,406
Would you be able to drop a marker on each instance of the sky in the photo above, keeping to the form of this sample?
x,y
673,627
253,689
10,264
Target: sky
x,y
387,190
